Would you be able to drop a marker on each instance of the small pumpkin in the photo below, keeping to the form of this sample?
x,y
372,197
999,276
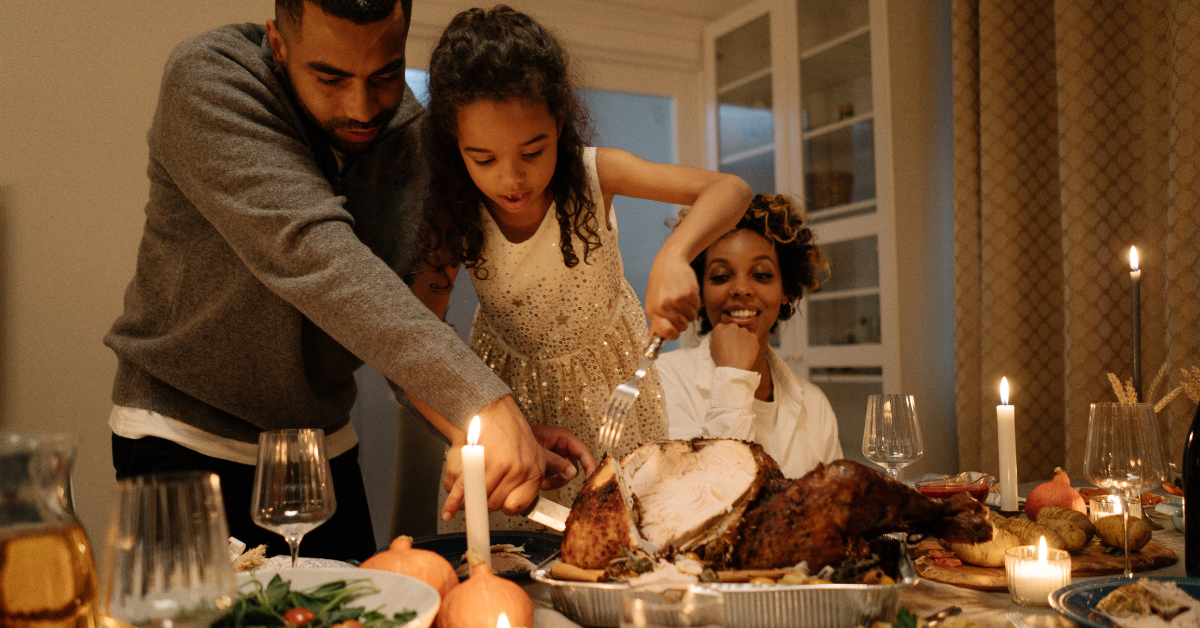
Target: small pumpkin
x,y
422,564
479,600
1055,492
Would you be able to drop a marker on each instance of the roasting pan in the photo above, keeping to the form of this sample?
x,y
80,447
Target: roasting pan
x,y
750,605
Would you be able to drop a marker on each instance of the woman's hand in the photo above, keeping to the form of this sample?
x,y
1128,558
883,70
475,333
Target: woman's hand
x,y
734,346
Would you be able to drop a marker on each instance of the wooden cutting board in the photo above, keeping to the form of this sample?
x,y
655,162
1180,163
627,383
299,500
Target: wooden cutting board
x,y
1091,561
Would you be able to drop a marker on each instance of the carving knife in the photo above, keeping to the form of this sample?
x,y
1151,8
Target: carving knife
x,y
548,513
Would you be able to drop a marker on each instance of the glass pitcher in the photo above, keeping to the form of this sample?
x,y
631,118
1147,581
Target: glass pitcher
x,y
47,574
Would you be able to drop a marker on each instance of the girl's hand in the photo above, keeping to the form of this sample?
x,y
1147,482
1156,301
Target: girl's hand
x,y
734,346
563,452
672,296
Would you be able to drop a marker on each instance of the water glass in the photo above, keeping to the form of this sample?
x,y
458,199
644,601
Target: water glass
x,y
671,606
166,552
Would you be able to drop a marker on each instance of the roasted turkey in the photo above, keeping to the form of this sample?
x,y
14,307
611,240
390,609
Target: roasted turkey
x,y
727,501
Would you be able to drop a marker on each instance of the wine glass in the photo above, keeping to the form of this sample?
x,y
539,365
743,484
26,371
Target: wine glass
x,y
1123,454
892,435
293,487
166,552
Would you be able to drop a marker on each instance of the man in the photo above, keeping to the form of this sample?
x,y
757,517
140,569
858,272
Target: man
x,y
286,180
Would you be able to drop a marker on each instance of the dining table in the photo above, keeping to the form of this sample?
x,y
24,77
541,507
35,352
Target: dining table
x,y
927,597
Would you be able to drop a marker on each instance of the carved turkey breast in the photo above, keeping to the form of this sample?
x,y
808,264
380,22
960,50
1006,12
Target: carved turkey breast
x,y
727,501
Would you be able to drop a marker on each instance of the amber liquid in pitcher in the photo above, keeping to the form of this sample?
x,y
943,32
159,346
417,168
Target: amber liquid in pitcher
x,y
47,578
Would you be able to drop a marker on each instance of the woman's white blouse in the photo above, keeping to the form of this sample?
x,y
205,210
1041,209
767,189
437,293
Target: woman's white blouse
x,y
797,428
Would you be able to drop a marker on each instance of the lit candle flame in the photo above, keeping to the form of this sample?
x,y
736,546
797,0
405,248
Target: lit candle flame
x,y
502,621
1041,556
1133,258
473,432
1004,391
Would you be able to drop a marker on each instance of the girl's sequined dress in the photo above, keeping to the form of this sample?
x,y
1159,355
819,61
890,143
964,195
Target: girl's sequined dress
x,y
563,338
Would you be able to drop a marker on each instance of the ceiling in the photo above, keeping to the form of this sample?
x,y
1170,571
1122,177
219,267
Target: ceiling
x,y
706,10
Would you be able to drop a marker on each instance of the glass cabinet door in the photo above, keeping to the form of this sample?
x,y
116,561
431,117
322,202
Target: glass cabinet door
x,y
842,339
745,117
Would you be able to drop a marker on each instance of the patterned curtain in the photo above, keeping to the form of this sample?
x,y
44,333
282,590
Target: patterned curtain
x,y
1075,136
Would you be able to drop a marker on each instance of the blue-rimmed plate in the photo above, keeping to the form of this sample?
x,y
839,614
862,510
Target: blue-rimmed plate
x,y
1077,601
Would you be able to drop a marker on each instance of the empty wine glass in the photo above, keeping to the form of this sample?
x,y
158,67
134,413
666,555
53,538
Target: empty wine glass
x,y
293,487
892,435
166,553
1123,454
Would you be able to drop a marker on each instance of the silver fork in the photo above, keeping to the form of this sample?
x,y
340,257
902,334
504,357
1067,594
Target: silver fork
x,y
612,424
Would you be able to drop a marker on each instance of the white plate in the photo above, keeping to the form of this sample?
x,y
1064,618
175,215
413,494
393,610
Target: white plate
x,y
397,593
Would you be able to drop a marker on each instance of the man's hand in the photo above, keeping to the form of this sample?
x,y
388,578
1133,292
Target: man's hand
x,y
564,450
514,461
734,346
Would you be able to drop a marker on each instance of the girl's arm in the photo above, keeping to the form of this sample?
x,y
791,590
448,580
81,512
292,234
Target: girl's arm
x,y
437,300
718,202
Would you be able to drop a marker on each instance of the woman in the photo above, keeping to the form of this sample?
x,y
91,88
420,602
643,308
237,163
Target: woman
x,y
733,385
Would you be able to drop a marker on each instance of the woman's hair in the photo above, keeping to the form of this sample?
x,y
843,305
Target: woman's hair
x,y
497,55
802,264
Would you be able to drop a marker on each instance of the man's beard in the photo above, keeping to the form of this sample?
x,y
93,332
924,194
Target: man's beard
x,y
329,130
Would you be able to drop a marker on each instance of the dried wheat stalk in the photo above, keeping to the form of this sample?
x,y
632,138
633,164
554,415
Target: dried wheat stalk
x,y
1191,383
1127,394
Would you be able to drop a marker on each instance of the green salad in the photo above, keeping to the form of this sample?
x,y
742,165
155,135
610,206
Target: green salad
x,y
325,606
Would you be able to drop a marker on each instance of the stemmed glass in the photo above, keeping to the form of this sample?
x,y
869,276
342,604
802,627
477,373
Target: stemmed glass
x,y
293,487
166,552
892,435
1123,454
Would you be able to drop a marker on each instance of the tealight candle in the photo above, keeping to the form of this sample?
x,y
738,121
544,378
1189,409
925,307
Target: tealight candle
x,y
1033,573
479,536
1105,505
1006,442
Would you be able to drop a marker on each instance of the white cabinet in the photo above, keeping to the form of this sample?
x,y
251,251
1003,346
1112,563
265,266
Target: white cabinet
x,y
799,102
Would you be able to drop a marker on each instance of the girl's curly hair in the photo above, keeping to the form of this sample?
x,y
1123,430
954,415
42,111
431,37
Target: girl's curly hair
x,y
802,264
497,55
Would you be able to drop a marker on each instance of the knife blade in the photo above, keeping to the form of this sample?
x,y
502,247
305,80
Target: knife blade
x,y
548,513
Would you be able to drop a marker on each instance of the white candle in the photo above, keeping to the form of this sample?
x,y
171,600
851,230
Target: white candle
x,y
1032,577
1135,277
1006,441
479,536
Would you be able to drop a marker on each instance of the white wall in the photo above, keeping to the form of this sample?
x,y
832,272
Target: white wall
x,y
78,92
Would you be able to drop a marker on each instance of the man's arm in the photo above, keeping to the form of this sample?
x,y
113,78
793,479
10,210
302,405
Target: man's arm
x,y
227,138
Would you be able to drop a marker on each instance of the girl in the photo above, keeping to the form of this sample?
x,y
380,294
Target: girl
x,y
517,198
733,385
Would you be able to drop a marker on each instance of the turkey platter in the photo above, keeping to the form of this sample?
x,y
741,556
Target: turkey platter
x,y
727,502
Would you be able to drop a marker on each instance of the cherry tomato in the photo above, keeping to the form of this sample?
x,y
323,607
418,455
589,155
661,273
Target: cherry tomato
x,y
299,616
349,623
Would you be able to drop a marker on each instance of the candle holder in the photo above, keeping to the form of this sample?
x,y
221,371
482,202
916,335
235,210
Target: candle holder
x,y
1105,505
1031,580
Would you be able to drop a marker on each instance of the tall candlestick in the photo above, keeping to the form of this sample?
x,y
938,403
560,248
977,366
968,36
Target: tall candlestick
x,y
1006,441
1135,275
479,536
